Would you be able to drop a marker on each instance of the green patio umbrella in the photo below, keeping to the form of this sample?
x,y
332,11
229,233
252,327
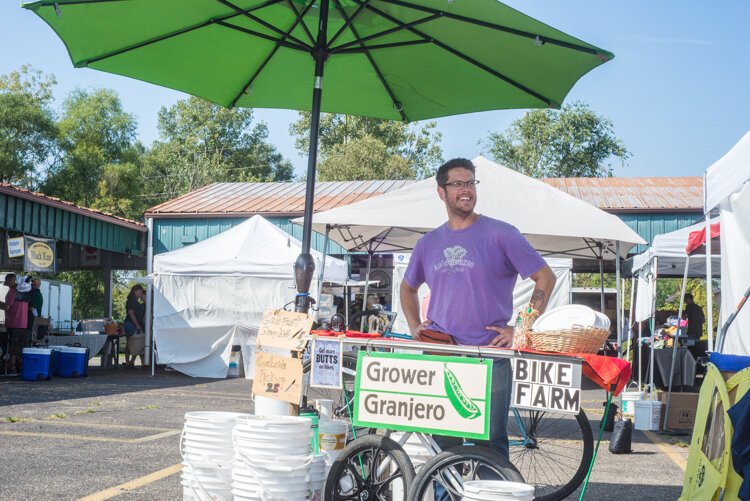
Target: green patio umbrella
x,y
392,59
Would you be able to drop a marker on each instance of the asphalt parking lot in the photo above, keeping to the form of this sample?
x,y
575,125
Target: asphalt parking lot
x,y
116,433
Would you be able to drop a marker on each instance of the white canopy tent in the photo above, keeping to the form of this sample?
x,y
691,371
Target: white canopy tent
x,y
555,223
726,186
212,294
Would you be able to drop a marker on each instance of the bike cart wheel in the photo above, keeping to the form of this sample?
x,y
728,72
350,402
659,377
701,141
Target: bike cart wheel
x,y
466,462
552,450
372,467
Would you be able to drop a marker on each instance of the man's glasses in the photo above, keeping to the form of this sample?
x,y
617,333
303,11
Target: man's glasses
x,y
462,184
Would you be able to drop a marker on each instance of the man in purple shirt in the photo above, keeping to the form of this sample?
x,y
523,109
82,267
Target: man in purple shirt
x,y
471,264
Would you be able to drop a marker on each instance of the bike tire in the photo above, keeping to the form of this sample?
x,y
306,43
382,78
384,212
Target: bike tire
x,y
481,460
349,476
558,451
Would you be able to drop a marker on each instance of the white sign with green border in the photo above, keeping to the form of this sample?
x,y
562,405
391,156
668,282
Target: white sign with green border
x,y
424,393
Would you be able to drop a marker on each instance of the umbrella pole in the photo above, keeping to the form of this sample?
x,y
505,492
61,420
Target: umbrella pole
x,y
619,294
304,267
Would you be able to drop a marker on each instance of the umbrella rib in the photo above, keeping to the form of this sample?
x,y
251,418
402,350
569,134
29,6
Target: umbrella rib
x,y
396,104
470,60
260,21
360,50
505,29
270,56
300,19
161,38
348,22
277,41
384,33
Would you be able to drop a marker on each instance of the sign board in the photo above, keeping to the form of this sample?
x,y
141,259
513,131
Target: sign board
x,y
90,256
425,393
40,254
541,383
15,247
284,329
278,377
326,363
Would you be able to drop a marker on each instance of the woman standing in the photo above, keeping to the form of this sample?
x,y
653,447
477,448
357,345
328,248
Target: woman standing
x,y
135,312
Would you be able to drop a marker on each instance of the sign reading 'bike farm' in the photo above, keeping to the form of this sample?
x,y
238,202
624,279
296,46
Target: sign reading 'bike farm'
x,y
432,394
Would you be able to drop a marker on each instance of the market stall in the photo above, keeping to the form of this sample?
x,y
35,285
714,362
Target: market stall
x,y
211,295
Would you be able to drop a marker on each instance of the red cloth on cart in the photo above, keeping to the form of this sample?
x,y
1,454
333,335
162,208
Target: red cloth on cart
x,y
602,370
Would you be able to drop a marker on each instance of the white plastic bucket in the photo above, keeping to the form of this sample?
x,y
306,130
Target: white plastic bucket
x,y
629,398
647,415
332,435
265,406
497,490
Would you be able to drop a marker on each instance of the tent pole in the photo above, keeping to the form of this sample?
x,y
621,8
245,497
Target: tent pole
x,y
367,286
640,357
601,279
150,350
304,267
323,267
709,284
653,329
618,295
675,340
631,317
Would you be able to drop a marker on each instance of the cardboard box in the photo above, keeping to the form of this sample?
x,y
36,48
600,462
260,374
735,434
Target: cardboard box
x,y
682,407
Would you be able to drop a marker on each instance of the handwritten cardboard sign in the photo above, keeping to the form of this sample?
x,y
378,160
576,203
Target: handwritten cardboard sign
x,y
284,329
278,377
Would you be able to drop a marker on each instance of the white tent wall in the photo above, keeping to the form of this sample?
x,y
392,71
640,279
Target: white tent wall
x,y
212,294
521,293
735,269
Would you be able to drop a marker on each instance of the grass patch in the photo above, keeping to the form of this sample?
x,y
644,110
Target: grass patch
x,y
679,443
201,385
148,407
14,419
57,415
87,411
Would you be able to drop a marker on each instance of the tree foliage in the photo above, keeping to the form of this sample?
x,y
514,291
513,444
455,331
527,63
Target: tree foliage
x,y
345,139
27,126
200,143
571,142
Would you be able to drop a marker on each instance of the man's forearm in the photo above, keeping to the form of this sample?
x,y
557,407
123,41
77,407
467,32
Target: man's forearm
x,y
544,281
410,305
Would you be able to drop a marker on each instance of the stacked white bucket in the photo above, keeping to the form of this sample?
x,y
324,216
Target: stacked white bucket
x,y
207,454
272,458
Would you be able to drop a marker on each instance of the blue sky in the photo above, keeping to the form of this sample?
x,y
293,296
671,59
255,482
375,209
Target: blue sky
x,y
678,90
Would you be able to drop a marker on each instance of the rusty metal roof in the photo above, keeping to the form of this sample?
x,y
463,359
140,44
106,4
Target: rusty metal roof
x,y
15,191
272,199
636,194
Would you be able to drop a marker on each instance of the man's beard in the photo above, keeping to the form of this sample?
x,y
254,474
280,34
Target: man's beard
x,y
455,209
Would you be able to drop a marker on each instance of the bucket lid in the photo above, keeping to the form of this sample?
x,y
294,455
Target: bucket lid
x,y
263,421
213,416
73,349
491,490
37,351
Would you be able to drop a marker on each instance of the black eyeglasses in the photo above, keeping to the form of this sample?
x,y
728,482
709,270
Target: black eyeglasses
x,y
462,184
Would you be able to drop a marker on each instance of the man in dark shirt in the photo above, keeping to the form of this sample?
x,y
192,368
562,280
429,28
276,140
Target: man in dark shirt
x,y
694,315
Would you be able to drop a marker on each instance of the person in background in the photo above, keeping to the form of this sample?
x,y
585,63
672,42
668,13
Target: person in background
x,y
135,312
16,323
36,300
695,317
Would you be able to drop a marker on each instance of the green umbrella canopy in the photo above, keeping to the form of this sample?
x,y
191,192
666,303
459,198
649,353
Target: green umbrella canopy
x,y
392,59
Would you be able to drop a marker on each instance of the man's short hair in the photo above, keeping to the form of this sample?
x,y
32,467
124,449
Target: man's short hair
x,y
463,163
688,296
8,277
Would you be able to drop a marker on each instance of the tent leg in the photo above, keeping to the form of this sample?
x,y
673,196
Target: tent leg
x,y
601,280
640,357
675,341
618,295
323,265
631,317
652,388
367,286
709,285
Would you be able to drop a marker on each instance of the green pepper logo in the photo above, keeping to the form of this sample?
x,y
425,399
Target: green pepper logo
x,y
465,406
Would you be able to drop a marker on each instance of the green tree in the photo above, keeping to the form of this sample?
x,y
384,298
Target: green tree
x,y
95,132
571,142
88,292
200,143
419,147
28,136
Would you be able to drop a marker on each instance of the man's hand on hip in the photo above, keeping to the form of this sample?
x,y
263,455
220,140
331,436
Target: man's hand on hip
x,y
504,338
415,333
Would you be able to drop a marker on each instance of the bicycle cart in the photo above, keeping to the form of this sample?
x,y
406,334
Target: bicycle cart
x,y
549,448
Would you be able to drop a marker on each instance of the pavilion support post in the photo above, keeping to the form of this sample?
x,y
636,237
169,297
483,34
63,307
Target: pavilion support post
x,y
150,347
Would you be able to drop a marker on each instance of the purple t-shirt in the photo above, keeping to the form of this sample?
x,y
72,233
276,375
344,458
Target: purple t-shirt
x,y
471,274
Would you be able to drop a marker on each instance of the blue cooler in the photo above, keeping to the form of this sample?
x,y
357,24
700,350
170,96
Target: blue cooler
x,y
37,364
56,359
73,362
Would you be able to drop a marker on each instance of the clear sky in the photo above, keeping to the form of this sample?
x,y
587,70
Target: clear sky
x,y
678,90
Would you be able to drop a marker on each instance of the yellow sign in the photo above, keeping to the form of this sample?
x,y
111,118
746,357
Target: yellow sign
x,y
41,255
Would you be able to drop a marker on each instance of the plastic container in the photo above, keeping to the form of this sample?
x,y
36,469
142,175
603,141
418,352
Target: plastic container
x,y
629,398
647,415
73,362
235,362
567,316
37,364
332,438
265,406
312,415
497,490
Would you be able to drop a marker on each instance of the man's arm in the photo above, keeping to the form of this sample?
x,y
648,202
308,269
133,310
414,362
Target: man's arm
x,y
544,281
410,307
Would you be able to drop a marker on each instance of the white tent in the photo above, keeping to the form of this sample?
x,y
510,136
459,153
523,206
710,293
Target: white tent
x,y
212,294
726,185
556,224
670,249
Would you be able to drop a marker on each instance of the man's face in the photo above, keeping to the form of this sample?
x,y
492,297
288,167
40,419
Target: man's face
x,y
36,283
459,201
10,281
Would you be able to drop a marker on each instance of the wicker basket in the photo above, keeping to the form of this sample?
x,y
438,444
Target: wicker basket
x,y
574,340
